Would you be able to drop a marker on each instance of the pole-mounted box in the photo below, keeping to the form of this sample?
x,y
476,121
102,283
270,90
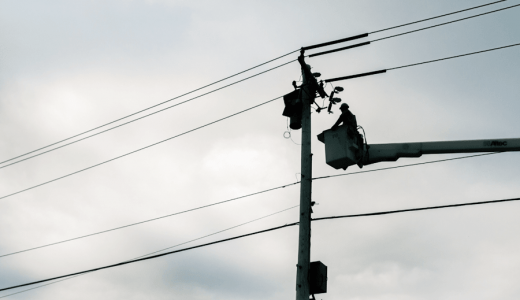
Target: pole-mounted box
x,y
317,278
293,109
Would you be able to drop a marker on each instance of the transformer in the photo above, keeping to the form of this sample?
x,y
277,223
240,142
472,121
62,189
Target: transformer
x,y
317,278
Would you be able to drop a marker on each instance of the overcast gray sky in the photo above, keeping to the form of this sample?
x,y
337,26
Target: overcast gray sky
x,y
69,66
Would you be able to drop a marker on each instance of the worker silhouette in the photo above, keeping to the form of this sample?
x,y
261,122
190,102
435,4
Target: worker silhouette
x,y
347,118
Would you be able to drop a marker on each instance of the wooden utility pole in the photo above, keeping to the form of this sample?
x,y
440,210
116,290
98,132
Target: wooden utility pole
x,y
304,242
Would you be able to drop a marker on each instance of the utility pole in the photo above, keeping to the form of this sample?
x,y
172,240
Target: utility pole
x,y
304,242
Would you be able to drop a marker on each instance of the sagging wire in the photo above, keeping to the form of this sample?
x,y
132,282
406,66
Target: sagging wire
x,y
287,134
365,146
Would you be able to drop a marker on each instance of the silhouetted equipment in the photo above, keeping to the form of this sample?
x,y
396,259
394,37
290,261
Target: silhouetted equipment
x,y
355,76
333,100
339,49
317,278
293,100
293,108
343,150
336,41
321,90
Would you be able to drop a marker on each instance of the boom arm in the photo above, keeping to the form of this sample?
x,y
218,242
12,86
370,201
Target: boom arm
x,y
392,152
343,150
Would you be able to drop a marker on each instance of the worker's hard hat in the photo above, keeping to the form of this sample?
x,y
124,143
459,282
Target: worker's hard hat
x,y
343,106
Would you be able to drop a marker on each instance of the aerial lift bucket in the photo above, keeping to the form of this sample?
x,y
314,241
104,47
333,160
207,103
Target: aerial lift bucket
x,y
341,148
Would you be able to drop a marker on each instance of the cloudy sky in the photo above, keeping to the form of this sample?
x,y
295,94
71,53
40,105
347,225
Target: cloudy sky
x,y
69,66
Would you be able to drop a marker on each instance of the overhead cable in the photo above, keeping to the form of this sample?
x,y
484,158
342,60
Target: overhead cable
x,y
148,254
445,58
140,149
145,109
445,23
415,209
150,220
404,33
423,20
405,166
263,231
305,48
248,195
393,27
416,64
142,117
152,257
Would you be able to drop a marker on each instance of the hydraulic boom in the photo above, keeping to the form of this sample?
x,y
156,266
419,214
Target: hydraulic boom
x,y
344,149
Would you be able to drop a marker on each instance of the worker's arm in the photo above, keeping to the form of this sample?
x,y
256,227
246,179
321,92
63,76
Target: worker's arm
x,y
340,119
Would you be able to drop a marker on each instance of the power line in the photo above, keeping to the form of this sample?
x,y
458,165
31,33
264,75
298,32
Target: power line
x,y
263,231
415,209
150,220
153,256
222,230
306,48
145,109
245,196
455,12
441,24
393,27
421,63
404,166
196,239
404,33
477,52
143,148
142,117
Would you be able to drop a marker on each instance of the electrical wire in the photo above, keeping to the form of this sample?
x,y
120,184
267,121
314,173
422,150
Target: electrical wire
x,y
393,27
148,254
261,231
477,52
415,209
408,32
405,166
416,64
142,117
153,256
222,230
310,47
245,196
140,149
145,109
441,24
150,220
158,104
423,20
